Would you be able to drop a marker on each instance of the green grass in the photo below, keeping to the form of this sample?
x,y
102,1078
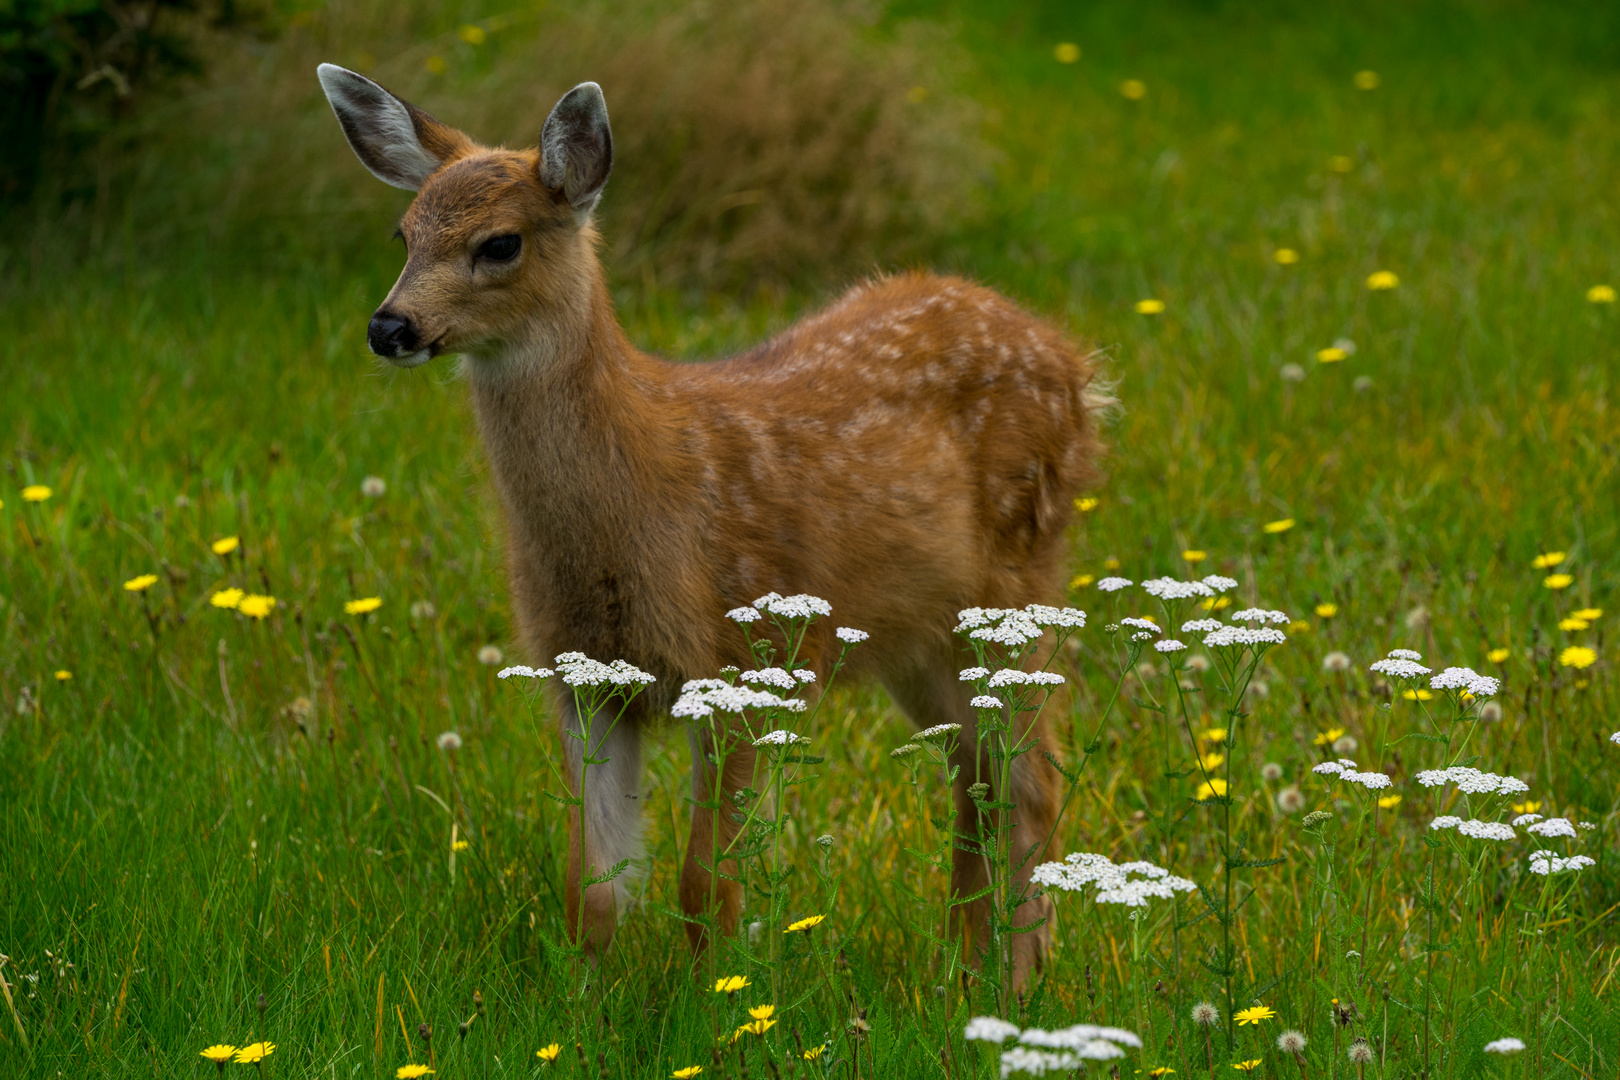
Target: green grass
x,y
187,852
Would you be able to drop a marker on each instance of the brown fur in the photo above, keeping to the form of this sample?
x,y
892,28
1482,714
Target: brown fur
x,y
910,451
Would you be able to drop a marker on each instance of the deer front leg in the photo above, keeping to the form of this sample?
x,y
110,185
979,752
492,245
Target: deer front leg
x,y
702,890
605,829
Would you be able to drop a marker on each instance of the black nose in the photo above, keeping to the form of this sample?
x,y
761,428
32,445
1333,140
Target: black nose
x,y
390,335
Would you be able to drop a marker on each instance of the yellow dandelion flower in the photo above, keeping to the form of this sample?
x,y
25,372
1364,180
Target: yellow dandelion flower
x,y
807,923
548,1054
226,544
1149,306
1528,807
1298,627
63,675
1548,560
226,598
410,1072
1340,164
1085,504
730,984
36,493
361,606
1327,611
1380,280
141,583
814,1052
1496,656
1573,623
1417,695
1254,1015
1215,603
1135,89
255,606
1080,581
253,1053
1210,788
1578,657
219,1053
686,1073
461,845
1600,294
1389,802
1558,581
435,65
1281,525
472,35
1366,80
753,1027
762,1012
1246,1066
1328,737
1330,355
1162,1070
1285,256
1110,563
1211,761
1213,735
1067,52
1193,555
1590,614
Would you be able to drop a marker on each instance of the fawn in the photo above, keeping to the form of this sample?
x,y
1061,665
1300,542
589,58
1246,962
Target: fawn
x,y
912,450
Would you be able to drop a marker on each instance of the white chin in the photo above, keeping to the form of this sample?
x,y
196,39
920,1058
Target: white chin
x,y
410,360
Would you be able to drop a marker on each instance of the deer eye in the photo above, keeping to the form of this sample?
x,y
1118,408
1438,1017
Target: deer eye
x,y
500,248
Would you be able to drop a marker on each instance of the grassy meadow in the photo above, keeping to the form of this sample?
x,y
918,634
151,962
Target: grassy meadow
x,y
222,828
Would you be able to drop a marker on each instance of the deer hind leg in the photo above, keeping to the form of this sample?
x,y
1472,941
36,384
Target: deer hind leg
x,y
611,818
936,695
704,892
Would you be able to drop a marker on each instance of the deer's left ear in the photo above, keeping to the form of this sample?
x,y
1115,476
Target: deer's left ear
x,y
576,148
399,143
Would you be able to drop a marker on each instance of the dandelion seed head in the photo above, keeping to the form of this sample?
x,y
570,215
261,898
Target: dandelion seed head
x,y
449,740
1204,1014
1290,800
1271,771
1345,744
373,487
490,655
1360,1052
1291,373
1336,661
1291,1042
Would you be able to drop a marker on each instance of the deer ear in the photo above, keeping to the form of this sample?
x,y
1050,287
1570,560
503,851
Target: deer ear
x,y
576,147
399,143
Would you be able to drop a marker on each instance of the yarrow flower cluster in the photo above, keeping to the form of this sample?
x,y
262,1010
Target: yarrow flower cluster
x,y
1201,626
1114,883
1473,782
525,671
986,701
939,731
1401,664
1014,677
1039,1051
1508,1045
1114,584
1168,645
577,669
1553,827
851,636
701,698
779,678
1466,680
1168,588
781,738
797,606
1230,636
1255,614
1546,862
1016,627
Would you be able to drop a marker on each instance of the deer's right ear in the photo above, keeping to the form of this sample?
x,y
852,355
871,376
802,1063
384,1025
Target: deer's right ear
x,y
399,143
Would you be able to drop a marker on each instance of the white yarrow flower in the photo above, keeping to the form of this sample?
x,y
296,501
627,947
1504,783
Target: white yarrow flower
x,y
1114,584
1219,583
743,614
851,636
939,731
1508,1045
1405,654
1255,614
974,674
989,1029
1399,668
1446,821
1553,827
1169,645
986,701
1201,626
1168,588
525,671
780,738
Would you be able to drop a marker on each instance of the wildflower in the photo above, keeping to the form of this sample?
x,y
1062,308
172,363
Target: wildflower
x,y
1553,827
226,598
1398,668
989,1029
1590,614
1210,761
1246,1066
1291,373
1362,384
423,610
1488,830
1417,695
361,606
1336,661
548,1054
1291,1042
141,583
742,614
1210,788
1548,862
36,493
1389,802
1509,1045
1549,559
1360,1052
256,606
904,751
1168,588
1271,771
1259,615
1315,818
938,731
489,655
1323,738
1571,624
1254,1015
851,636
730,984
373,487
1086,504
1134,89
814,1052
797,606
1162,1070
219,1054
1558,581
1326,611
1529,806
1067,52
1345,345
1285,256
225,545
1600,294
808,923
1467,680
410,1072
1080,581
1230,636
1344,744
528,672
1149,306
1280,526
1114,584
686,1073
1497,656
448,740
1214,734
1330,355
1577,657
762,1012
1366,80
1168,645
1204,1014
254,1053
1382,279
986,701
